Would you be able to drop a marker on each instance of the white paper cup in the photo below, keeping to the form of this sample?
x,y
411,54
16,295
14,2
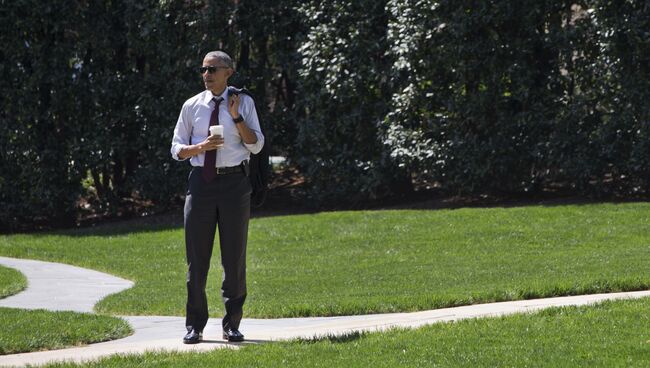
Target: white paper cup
x,y
216,130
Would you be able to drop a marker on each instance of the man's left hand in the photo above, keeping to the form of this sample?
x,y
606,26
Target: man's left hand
x,y
233,105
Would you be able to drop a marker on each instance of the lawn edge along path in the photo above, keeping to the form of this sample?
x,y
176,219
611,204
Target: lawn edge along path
x,y
56,286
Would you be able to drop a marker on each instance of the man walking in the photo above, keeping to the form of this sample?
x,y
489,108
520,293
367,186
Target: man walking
x,y
218,192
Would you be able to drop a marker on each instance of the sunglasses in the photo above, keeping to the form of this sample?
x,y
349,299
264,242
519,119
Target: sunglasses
x,y
211,69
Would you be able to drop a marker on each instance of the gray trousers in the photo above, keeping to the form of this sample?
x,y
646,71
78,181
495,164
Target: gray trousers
x,y
223,202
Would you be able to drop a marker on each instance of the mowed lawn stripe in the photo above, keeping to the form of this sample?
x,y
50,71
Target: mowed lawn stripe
x,y
33,330
357,262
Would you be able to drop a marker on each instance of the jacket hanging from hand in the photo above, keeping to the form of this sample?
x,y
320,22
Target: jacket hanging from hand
x,y
258,172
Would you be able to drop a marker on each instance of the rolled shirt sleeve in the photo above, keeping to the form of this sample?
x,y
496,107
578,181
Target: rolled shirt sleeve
x,y
250,119
182,133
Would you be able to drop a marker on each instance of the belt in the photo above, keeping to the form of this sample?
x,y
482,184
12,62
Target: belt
x,y
228,170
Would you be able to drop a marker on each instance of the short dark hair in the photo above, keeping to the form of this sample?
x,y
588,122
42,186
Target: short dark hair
x,y
221,56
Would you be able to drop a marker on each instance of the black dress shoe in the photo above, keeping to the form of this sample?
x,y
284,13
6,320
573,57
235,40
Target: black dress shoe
x,y
232,334
193,337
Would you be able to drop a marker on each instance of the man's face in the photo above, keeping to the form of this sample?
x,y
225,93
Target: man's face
x,y
217,78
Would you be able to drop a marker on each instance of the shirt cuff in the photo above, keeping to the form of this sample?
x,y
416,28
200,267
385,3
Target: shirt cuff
x,y
176,149
256,147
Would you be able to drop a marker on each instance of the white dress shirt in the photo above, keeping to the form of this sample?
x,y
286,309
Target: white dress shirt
x,y
194,122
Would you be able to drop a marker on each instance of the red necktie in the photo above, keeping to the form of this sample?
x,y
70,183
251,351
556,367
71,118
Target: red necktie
x,y
211,156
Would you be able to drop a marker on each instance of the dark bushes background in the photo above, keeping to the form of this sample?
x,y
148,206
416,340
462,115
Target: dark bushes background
x,y
367,98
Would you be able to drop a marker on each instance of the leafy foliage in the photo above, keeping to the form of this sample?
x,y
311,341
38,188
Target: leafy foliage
x,y
91,91
344,94
365,97
517,96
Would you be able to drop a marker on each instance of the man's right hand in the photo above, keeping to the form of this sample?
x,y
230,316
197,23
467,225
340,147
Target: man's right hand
x,y
211,143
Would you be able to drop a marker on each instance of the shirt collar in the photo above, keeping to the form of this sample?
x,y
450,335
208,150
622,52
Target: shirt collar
x,y
209,95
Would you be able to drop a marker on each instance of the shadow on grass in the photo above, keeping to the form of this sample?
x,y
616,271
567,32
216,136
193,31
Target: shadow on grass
x,y
335,339
233,343
282,205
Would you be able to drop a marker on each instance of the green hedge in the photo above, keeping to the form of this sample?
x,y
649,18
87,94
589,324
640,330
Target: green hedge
x,y
92,89
367,98
344,94
521,96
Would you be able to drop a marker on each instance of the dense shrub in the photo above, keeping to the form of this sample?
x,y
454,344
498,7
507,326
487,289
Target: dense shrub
x,y
92,89
39,177
344,95
365,97
519,96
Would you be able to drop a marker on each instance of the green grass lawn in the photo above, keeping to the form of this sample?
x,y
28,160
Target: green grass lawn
x,y
11,282
612,334
340,263
31,330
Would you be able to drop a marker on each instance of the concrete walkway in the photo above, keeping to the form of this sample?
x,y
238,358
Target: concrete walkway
x,y
60,287
165,333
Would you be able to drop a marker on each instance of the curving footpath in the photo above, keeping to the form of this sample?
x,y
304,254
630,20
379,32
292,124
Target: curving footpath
x,y
56,286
